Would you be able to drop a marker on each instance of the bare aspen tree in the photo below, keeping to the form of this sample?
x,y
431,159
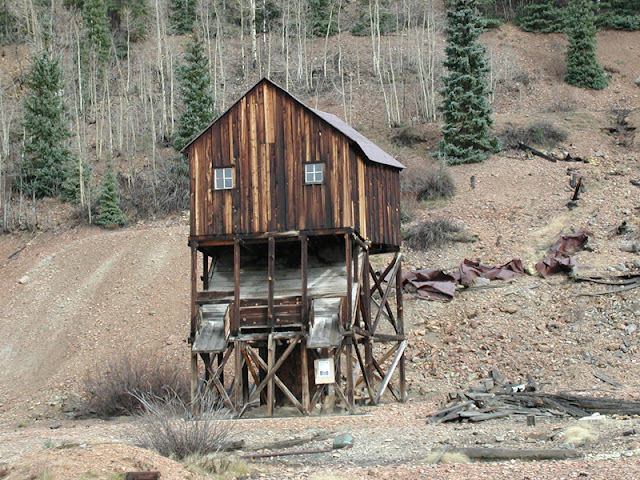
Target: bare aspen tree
x,y
6,119
160,65
374,24
252,29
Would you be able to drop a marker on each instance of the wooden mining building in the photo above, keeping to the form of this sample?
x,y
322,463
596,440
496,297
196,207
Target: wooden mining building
x,y
289,206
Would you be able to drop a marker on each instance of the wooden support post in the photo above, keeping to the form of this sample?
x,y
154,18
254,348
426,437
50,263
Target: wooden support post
x,y
387,378
271,347
400,330
194,312
194,289
304,366
304,243
220,359
347,322
194,378
368,345
205,271
238,387
349,374
235,324
271,279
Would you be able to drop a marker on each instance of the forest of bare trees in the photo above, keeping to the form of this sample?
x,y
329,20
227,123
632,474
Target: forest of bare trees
x,y
120,61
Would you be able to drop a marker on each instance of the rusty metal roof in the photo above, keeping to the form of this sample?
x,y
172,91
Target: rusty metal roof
x,y
369,149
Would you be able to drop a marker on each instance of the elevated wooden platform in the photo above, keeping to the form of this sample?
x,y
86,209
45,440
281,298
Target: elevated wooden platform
x,y
275,307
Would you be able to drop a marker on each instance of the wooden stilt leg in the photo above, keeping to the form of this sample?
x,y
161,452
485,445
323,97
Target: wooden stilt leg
x,y
194,377
271,347
349,374
304,375
238,387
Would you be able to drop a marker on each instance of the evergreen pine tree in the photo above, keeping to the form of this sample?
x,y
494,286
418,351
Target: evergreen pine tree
x,y
97,36
195,89
183,15
46,158
466,136
541,16
322,18
619,14
583,69
110,214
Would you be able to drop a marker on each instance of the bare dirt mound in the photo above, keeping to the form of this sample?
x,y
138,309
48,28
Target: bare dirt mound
x,y
81,298
107,461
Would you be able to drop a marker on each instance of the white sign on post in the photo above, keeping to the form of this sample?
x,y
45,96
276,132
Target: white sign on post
x,y
324,370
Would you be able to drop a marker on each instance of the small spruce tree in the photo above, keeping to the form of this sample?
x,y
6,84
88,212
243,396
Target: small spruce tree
x,y
541,16
98,38
47,159
182,16
109,214
322,18
195,89
583,69
466,136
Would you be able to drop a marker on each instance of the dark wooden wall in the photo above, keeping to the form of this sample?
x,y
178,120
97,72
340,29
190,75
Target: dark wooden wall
x,y
267,136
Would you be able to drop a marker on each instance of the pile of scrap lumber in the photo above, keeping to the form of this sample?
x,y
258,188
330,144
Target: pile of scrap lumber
x,y
497,398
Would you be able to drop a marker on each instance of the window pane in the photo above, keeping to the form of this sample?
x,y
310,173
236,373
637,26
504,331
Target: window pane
x,y
223,178
313,173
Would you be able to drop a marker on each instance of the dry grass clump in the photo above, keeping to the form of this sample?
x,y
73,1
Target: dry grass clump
x,y
218,466
114,388
178,429
430,234
428,182
540,133
580,434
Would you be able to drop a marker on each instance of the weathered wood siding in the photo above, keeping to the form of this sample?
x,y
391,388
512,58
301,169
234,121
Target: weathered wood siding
x,y
267,137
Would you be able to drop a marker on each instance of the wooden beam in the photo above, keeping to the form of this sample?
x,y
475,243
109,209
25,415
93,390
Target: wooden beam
x,y
364,369
304,246
271,355
383,301
205,271
347,322
271,371
235,323
349,374
279,383
194,289
238,374
387,377
378,286
252,371
271,261
194,378
400,329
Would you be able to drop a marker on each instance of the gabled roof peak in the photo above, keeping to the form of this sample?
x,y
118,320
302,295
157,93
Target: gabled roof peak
x,y
369,149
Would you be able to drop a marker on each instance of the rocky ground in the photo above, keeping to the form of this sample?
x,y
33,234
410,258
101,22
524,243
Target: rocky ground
x,y
74,298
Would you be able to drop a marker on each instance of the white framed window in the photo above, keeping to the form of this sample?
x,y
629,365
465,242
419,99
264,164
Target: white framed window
x,y
313,173
223,178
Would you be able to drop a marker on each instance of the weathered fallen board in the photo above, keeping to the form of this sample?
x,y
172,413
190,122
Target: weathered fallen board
x,y
477,406
515,454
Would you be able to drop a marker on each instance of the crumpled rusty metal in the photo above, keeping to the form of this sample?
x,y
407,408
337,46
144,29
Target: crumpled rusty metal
x,y
468,271
437,285
558,258
431,284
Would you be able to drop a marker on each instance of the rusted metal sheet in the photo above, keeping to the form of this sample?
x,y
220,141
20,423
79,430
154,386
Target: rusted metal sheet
x,y
559,258
437,285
